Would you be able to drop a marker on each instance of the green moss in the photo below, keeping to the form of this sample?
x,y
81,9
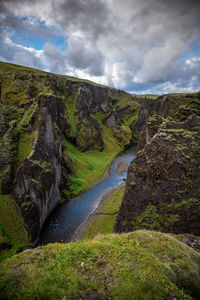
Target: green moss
x,y
27,117
98,116
12,223
131,119
183,204
124,134
90,165
3,236
149,96
139,265
87,136
70,104
132,183
13,92
151,218
25,145
148,219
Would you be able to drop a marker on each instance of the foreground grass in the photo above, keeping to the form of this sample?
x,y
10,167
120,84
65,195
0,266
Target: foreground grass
x,y
11,226
137,265
103,221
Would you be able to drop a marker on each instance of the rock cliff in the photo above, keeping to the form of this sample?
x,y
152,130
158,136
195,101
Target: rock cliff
x,y
47,123
37,180
162,190
58,134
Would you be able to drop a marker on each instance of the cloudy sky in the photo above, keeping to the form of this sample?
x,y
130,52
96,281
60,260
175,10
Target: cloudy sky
x,y
137,45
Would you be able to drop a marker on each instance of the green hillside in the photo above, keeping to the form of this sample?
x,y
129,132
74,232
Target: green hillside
x,y
138,265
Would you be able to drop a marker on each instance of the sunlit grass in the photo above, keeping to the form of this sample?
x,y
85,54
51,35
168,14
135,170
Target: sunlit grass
x,y
90,165
12,226
139,265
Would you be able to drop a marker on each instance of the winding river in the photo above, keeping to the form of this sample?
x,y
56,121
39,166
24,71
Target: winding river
x,y
68,217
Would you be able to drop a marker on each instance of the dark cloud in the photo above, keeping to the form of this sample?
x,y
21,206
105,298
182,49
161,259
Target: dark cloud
x,y
55,59
131,43
83,55
89,16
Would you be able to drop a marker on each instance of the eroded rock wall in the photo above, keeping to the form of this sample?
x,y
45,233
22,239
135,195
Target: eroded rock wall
x,y
162,190
36,186
40,115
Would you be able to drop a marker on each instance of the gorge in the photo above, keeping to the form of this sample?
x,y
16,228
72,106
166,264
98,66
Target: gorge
x,y
58,135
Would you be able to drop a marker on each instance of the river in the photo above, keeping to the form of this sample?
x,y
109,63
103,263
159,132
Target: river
x,y
68,217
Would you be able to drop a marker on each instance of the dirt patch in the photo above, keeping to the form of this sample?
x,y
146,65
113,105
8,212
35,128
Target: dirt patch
x,y
122,167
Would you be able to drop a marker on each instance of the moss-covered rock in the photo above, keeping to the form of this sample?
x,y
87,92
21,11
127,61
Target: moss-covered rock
x,y
38,178
124,134
8,158
139,265
166,173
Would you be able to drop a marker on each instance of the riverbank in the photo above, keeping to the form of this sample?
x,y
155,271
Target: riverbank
x,y
68,217
102,220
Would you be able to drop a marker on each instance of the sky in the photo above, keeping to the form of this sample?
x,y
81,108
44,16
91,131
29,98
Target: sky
x,y
136,45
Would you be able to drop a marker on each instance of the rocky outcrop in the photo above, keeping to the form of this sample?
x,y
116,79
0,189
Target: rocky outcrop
x,y
162,190
88,131
146,109
42,116
37,180
8,157
46,120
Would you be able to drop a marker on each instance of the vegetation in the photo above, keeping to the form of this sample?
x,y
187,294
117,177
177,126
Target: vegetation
x,y
138,265
150,96
90,165
7,68
104,217
25,145
11,225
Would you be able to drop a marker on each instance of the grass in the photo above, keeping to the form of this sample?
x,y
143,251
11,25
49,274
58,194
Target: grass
x,y
12,226
6,68
102,223
70,104
91,165
25,145
139,265
150,96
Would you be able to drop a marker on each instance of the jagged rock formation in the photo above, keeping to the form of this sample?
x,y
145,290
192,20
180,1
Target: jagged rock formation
x,y
46,123
37,181
88,130
162,190
43,115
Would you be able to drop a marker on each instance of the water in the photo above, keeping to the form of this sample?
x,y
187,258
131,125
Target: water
x,y
68,217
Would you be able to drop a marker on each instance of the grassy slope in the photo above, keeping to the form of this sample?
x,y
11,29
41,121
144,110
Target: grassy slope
x,y
102,223
90,165
6,68
150,96
138,265
11,224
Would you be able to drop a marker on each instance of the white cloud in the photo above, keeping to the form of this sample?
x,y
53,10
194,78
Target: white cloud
x,y
134,44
